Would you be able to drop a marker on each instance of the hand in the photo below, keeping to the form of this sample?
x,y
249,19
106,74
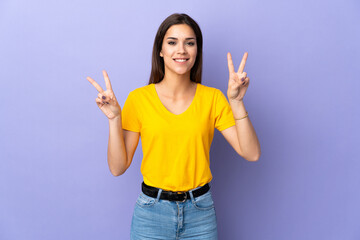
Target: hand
x,y
106,100
238,81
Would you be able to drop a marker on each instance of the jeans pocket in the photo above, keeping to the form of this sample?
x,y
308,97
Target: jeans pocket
x,y
204,202
145,201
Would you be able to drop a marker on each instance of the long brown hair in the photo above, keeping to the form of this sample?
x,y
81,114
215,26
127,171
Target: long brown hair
x,y
157,66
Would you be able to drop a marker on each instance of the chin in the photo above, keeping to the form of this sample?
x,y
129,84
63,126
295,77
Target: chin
x,y
182,72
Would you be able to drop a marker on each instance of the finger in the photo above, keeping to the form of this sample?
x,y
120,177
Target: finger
x,y
95,84
243,62
230,63
246,81
103,98
99,102
244,75
103,102
107,80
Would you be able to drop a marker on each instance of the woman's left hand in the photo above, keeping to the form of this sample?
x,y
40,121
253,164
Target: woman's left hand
x,y
238,81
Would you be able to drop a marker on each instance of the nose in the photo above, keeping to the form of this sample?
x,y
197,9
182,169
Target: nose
x,y
181,48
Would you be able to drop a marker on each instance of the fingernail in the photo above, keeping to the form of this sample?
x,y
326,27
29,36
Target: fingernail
x,y
242,79
103,97
244,83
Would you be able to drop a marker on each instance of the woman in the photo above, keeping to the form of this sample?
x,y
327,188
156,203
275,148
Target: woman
x,y
176,115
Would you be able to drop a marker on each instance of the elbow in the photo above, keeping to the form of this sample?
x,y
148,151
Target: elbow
x,y
116,174
118,169
254,158
251,156
257,157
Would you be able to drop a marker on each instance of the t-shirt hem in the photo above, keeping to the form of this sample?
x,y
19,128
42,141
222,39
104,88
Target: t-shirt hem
x,y
131,129
226,125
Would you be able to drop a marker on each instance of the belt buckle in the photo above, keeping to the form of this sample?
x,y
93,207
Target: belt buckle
x,y
185,196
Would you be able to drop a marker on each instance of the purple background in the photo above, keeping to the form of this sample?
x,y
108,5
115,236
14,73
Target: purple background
x,y
302,100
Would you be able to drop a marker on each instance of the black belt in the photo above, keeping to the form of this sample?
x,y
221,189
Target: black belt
x,y
173,196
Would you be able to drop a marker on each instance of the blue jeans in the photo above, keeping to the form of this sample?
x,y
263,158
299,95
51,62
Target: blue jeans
x,y
156,218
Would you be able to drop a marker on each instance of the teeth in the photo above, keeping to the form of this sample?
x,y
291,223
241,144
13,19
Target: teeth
x,y
180,60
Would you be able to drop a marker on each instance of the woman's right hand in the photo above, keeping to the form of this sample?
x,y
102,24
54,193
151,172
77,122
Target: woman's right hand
x,y
106,100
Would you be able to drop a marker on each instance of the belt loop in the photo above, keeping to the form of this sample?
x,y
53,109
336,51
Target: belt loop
x,y
158,194
191,194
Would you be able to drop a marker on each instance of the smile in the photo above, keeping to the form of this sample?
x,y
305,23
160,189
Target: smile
x,y
181,59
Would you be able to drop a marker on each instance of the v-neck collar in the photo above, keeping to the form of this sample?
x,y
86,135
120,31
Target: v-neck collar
x,y
173,114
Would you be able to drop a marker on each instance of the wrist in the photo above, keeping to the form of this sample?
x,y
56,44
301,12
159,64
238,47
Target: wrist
x,y
245,116
237,104
238,109
116,119
236,101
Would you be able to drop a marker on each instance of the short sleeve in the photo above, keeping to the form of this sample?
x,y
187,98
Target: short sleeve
x,y
130,118
224,117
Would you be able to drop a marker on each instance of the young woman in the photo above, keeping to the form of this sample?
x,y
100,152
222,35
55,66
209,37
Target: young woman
x,y
176,116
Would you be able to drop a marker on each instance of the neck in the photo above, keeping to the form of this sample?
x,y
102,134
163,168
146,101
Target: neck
x,y
176,85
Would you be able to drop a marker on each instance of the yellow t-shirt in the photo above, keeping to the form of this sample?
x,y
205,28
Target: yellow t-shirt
x,y
176,148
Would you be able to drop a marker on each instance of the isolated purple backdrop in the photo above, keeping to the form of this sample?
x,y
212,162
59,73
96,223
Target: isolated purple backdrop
x,y
302,100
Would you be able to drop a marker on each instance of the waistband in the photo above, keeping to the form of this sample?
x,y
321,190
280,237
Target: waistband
x,y
173,196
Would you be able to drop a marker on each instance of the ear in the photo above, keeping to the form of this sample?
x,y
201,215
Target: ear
x,y
161,55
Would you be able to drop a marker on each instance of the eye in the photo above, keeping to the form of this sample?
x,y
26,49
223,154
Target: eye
x,y
171,43
191,43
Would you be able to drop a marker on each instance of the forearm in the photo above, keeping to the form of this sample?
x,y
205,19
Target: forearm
x,y
117,157
249,143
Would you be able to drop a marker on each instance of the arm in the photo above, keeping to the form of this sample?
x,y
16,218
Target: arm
x,y
247,140
246,143
116,155
122,143
121,147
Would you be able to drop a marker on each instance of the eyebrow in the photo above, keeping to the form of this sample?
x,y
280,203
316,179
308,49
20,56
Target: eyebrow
x,y
176,38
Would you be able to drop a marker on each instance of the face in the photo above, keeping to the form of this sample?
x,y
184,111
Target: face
x,y
179,49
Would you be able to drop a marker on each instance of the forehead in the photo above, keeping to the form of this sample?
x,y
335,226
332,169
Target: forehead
x,y
180,31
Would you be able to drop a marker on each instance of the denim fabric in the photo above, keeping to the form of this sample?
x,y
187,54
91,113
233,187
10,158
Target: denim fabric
x,y
155,218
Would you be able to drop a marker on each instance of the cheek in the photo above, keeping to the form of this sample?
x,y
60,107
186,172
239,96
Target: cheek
x,y
166,51
194,52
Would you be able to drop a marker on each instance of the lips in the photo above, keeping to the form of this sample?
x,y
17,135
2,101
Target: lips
x,y
181,59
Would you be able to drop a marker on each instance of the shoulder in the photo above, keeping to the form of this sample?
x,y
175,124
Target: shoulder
x,y
207,89
212,91
140,91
